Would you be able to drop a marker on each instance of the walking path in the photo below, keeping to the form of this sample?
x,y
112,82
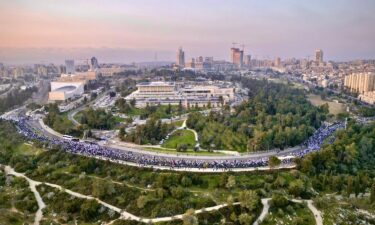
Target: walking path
x,y
41,205
124,214
263,214
129,216
313,209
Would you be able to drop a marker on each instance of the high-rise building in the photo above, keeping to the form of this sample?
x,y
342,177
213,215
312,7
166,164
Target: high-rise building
x,y
94,63
360,82
319,56
277,62
191,64
181,58
199,59
236,56
69,66
248,60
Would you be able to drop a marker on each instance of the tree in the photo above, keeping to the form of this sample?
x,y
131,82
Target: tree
x,y
279,201
230,200
112,94
296,187
186,181
182,148
169,109
273,162
357,186
349,187
231,183
122,133
141,201
180,108
133,102
189,218
372,196
89,210
93,95
221,100
249,199
245,219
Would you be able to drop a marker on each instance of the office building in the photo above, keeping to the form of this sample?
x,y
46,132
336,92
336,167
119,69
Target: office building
x,y
277,62
180,58
110,71
360,82
69,66
94,64
164,93
191,64
236,56
247,60
318,56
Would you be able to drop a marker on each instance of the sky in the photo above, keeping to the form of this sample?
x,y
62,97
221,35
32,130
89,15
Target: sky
x,y
34,31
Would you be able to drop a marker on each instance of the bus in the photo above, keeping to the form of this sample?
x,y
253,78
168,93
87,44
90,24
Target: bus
x,y
67,137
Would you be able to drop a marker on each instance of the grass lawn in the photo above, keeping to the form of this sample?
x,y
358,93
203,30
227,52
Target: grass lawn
x,y
180,137
27,149
178,123
188,152
334,107
119,119
78,116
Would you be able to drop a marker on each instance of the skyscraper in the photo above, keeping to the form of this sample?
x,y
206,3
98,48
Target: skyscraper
x,y
236,56
94,63
181,58
248,60
277,62
318,56
69,65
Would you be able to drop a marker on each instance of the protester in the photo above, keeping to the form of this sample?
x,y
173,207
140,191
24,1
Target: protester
x,y
94,150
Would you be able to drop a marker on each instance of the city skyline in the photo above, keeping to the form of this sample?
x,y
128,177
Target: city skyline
x,y
124,31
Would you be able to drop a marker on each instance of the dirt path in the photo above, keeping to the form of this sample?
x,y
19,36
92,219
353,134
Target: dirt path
x,y
41,205
263,214
312,208
124,214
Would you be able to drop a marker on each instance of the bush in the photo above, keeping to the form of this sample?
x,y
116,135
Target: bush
x,y
279,201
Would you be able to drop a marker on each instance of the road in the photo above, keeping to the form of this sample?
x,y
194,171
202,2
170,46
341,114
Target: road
x,y
45,130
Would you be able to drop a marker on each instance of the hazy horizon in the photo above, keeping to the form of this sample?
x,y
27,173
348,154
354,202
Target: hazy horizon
x,y
134,31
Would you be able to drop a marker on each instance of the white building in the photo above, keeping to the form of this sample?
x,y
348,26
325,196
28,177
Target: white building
x,y
110,71
164,93
368,97
61,91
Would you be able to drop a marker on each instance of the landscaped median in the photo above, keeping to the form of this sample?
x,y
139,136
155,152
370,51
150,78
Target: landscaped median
x,y
180,138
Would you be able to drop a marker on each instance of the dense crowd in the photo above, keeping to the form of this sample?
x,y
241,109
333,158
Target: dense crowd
x,y
94,150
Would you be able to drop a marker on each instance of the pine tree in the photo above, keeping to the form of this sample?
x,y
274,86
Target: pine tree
x,y
349,187
372,196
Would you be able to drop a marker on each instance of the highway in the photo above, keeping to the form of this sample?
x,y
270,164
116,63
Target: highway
x,y
46,131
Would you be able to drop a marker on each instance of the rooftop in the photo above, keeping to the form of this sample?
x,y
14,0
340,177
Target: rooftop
x,y
156,83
